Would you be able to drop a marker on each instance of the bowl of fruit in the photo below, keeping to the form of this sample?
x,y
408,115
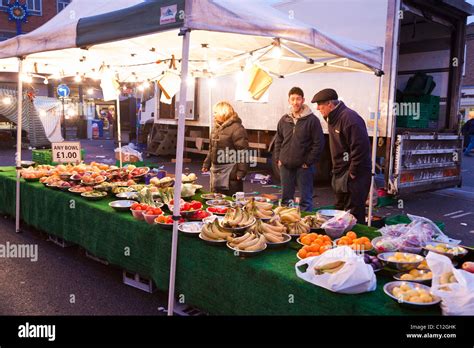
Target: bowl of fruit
x,y
415,275
400,261
373,261
138,209
217,210
384,244
411,294
151,214
454,252
166,221
94,195
139,172
361,244
198,215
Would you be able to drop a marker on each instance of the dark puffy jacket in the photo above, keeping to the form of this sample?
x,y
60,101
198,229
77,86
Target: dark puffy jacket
x,y
468,128
229,135
300,143
348,141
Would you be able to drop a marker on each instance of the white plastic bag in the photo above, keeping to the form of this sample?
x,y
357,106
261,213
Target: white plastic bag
x,y
438,236
459,300
354,277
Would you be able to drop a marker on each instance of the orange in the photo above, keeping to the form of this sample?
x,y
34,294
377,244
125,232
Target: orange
x,y
327,243
303,234
302,253
313,254
306,240
313,236
364,239
327,238
351,235
314,247
367,245
324,248
356,241
341,242
349,241
306,247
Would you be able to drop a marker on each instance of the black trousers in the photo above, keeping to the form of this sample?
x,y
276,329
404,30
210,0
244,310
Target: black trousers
x,y
355,199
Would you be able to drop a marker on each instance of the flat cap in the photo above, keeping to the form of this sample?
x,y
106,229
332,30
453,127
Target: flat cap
x,y
324,95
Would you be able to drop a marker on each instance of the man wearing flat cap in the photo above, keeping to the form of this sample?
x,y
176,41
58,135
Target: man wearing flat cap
x,y
350,153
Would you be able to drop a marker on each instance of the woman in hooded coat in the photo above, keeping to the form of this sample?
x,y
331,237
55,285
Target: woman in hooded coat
x,y
228,151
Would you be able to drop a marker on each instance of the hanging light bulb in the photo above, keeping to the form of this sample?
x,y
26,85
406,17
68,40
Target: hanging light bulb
x,y
27,78
211,82
213,64
45,81
90,91
239,75
141,88
77,78
146,84
7,100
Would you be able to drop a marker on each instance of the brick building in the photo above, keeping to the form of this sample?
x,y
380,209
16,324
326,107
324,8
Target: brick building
x,y
40,11
467,91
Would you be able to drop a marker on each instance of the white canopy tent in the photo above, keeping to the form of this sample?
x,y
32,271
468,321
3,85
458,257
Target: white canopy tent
x,y
137,40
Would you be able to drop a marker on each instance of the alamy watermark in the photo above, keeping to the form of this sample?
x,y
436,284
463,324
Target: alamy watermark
x,y
409,109
237,156
21,251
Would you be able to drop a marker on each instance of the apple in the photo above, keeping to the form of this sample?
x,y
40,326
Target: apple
x,y
468,266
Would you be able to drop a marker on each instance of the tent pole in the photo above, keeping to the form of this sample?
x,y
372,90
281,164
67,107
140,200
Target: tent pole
x,y
374,151
179,166
19,125
119,131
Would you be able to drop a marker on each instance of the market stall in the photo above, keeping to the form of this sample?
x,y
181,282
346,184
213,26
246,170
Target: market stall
x,y
209,277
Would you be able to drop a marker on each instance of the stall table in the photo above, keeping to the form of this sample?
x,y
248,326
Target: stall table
x,y
208,277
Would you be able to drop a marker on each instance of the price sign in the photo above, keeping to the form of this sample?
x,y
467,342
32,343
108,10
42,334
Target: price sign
x,y
66,152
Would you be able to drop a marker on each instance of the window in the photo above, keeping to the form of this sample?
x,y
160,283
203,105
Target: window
x,y
34,6
62,4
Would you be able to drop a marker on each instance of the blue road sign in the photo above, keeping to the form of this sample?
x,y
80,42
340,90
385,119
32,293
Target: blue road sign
x,y
63,91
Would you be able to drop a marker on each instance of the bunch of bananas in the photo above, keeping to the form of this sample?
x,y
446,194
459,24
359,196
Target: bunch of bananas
x,y
213,232
260,210
237,217
314,221
273,234
288,215
249,242
298,227
331,267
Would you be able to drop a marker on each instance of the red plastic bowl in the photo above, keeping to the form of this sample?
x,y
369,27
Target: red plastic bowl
x,y
138,214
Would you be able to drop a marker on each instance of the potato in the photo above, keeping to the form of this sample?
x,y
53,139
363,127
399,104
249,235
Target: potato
x,y
405,287
415,299
407,276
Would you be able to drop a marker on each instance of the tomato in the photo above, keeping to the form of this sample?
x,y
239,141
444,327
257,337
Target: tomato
x,y
186,207
157,211
213,210
172,202
221,210
161,219
196,205
169,220
134,206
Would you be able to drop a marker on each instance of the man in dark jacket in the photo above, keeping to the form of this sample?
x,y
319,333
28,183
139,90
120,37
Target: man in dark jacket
x,y
350,153
298,146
